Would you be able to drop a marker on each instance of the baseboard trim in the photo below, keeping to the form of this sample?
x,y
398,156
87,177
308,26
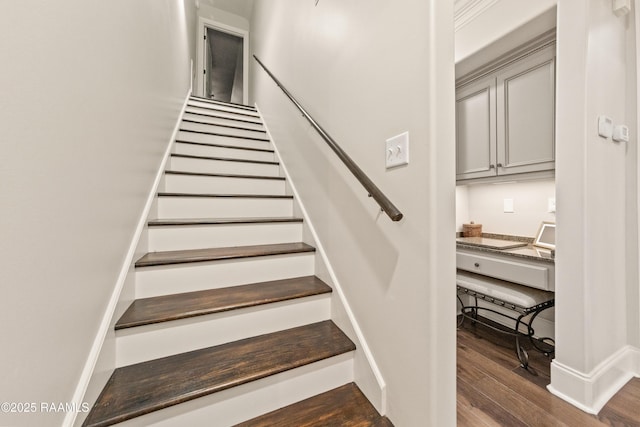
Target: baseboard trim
x,y
590,392
105,324
380,401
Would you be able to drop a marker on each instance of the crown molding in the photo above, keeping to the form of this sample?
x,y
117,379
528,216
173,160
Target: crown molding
x,y
466,11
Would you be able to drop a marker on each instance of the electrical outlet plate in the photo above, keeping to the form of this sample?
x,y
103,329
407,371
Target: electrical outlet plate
x,y
605,126
508,206
397,150
621,133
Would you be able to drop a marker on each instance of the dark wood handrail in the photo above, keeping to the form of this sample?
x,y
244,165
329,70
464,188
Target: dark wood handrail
x,y
373,191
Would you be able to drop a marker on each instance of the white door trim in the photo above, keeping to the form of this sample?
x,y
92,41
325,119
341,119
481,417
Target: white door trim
x,y
204,23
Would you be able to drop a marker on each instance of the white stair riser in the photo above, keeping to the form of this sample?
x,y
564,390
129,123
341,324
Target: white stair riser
x,y
170,238
220,113
223,139
134,345
187,164
214,151
176,183
198,276
220,120
241,403
222,129
220,107
222,207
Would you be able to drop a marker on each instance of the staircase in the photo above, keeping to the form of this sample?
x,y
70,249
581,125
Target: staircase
x,y
229,325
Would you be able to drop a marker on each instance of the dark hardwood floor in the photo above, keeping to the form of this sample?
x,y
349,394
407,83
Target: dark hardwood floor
x,y
494,391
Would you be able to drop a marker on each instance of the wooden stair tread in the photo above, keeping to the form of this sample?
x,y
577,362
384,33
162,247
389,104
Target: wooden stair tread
x,y
215,104
219,254
226,135
214,221
234,119
223,103
244,113
229,147
224,125
343,406
224,159
149,386
227,196
224,175
190,304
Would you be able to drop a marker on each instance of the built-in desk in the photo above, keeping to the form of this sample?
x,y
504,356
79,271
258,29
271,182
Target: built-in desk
x,y
511,274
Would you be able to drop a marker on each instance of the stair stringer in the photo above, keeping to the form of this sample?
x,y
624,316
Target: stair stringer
x,y
367,375
101,361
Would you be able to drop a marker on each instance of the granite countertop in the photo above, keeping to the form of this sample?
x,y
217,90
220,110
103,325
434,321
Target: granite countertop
x,y
516,246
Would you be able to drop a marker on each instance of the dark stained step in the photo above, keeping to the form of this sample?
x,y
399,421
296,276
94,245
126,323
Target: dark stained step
x,y
231,147
234,119
224,159
218,221
190,304
226,135
223,103
219,254
343,406
200,122
149,386
214,109
225,175
227,196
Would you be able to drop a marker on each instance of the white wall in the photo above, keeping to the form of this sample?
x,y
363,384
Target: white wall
x,y
485,205
223,16
90,94
364,85
191,16
593,193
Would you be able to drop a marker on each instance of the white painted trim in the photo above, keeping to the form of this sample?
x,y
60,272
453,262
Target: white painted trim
x,y
636,12
336,283
590,392
469,11
98,342
202,24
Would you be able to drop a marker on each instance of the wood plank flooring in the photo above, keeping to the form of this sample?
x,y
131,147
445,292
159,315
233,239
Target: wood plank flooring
x,y
493,390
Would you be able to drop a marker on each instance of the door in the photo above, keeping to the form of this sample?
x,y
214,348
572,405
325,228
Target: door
x,y
224,66
222,55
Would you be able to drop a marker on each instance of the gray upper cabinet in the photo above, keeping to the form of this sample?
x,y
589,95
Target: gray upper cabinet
x,y
476,130
505,121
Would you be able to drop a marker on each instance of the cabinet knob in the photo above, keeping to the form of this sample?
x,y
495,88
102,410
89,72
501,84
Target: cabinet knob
x,y
477,264
499,165
492,166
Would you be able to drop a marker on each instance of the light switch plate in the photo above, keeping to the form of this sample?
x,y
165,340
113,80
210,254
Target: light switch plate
x,y
551,205
397,150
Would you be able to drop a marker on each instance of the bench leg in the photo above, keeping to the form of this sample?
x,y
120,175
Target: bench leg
x,y
522,354
461,321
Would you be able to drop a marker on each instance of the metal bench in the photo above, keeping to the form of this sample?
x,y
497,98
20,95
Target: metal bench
x,y
527,302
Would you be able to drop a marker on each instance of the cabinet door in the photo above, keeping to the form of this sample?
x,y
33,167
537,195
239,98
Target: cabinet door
x,y
526,114
476,129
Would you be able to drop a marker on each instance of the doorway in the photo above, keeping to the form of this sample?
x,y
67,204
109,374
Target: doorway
x,y
222,62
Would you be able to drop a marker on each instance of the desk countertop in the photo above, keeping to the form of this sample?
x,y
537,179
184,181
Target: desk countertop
x,y
506,245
